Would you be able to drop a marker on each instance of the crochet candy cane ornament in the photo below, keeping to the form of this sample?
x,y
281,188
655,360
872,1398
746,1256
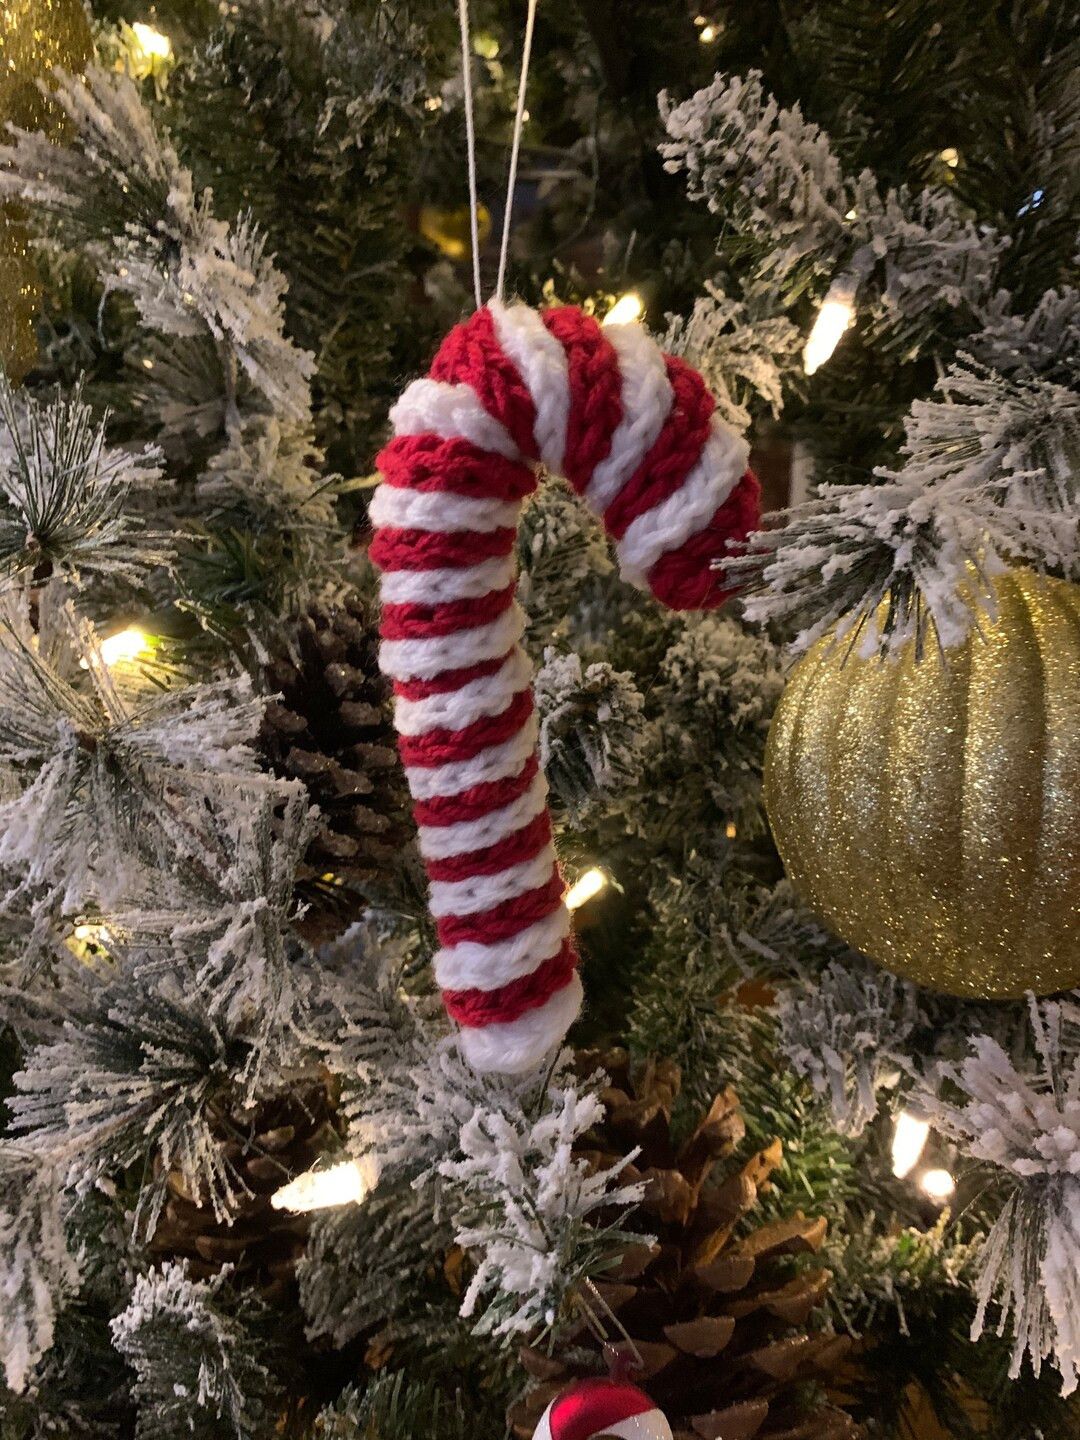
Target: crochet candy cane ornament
x,y
594,1408
633,430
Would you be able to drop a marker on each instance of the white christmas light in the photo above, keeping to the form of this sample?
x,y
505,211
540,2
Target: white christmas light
x,y
344,1184
937,1184
153,44
626,310
126,644
708,34
836,314
908,1144
950,157
585,888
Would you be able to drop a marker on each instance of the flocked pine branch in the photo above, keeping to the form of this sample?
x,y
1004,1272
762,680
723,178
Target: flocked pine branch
x,y
779,184
848,1031
99,784
1020,1120
987,473
495,1150
742,351
37,1272
229,929
138,1068
71,500
197,1370
592,732
118,189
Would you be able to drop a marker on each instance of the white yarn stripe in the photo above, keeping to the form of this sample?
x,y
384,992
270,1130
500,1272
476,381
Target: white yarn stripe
x,y
484,892
450,411
441,512
489,695
440,842
541,363
519,1046
671,523
472,966
646,401
404,587
495,763
424,659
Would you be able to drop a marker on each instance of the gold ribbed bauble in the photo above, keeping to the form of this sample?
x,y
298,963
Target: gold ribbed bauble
x,y
929,812
35,36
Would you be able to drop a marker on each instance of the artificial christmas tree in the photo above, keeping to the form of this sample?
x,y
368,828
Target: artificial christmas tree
x,y
858,225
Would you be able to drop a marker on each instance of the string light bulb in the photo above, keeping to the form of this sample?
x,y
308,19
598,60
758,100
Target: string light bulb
x,y
937,1185
586,888
950,156
908,1143
626,310
835,316
125,645
152,43
322,1189
708,33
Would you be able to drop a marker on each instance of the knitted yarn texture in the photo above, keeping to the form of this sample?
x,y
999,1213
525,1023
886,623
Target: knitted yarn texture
x,y
513,390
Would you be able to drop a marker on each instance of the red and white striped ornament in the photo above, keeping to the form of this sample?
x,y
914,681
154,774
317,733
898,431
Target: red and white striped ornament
x,y
590,1409
634,431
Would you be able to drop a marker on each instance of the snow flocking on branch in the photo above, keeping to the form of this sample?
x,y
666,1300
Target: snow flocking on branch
x,y
36,1269
119,188
846,1031
1021,1119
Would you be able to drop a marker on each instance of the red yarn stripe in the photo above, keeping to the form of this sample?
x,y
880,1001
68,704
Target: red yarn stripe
x,y
595,391
479,800
514,849
413,620
397,549
449,680
684,579
444,747
674,452
471,355
429,463
509,1002
506,919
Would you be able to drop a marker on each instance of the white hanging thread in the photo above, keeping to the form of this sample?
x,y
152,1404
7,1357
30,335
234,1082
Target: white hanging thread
x,y
470,145
515,147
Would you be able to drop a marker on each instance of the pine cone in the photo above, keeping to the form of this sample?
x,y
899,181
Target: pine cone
x,y
718,1318
264,1146
332,730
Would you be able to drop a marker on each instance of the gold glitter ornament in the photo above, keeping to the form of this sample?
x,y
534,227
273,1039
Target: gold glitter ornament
x,y
930,813
35,36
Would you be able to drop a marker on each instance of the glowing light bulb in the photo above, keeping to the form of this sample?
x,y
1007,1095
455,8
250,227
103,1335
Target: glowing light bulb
x,y
938,1185
344,1184
626,310
126,644
908,1143
585,888
836,314
153,44
95,933
731,830
708,33
950,156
